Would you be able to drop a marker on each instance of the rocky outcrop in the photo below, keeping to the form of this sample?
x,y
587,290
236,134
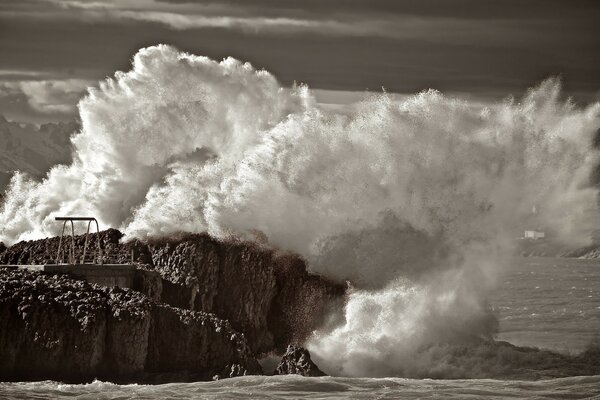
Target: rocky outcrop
x,y
548,248
204,343
592,251
233,280
44,251
301,301
296,361
267,295
55,327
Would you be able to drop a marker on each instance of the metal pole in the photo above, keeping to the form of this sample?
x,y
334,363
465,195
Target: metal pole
x,y
72,260
86,243
99,246
60,242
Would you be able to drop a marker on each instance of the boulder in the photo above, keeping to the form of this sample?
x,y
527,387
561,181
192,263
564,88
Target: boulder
x,y
296,361
59,328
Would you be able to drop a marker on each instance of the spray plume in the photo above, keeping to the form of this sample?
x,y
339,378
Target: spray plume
x,y
414,201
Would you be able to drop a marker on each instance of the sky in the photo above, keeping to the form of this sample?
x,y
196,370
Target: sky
x,y
52,50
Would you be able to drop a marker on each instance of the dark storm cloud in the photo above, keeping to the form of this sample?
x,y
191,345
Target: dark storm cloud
x,y
464,9
487,48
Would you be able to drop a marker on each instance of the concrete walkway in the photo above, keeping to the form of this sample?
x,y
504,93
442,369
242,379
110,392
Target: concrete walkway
x,y
120,275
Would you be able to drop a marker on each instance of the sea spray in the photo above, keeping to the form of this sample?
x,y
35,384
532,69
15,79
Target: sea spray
x,y
414,202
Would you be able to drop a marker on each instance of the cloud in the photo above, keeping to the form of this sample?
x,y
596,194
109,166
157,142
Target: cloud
x,y
53,96
180,21
333,44
20,74
248,19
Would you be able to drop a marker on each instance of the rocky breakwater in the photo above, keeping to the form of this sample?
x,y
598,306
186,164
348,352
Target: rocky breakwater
x,y
55,327
267,295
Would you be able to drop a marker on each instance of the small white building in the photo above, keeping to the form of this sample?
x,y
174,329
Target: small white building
x,y
534,235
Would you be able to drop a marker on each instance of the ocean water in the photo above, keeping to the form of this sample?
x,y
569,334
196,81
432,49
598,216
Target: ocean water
x,y
295,387
543,302
550,303
427,187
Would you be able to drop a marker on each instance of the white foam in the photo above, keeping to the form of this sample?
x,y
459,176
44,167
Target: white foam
x,y
415,200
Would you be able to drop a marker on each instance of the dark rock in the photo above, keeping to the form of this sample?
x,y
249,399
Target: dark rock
x,y
591,251
148,282
282,302
215,347
59,328
301,302
45,251
296,360
219,277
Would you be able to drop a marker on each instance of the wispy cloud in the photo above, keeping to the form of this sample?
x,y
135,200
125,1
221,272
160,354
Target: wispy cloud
x,y
184,16
10,73
463,45
47,96
257,24
59,96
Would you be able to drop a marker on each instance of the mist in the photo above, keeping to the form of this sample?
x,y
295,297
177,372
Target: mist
x,y
415,202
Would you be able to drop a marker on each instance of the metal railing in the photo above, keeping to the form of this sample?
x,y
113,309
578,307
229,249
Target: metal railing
x,y
72,260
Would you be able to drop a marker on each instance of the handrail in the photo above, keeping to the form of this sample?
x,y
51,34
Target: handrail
x,y
72,253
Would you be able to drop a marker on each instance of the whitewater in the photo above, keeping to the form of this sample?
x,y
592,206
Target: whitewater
x,y
525,318
413,202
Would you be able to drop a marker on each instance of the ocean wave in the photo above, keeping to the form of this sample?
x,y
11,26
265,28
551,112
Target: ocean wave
x,y
295,387
414,201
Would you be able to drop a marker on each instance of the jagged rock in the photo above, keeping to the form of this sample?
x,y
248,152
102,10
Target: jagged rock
x,y
44,251
301,302
282,302
148,282
59,328
296,360
213,345
220,277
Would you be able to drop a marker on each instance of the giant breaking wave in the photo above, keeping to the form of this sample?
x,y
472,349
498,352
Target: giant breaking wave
x,y
414,202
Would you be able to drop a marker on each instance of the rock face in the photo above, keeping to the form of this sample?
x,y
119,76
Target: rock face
x,y
200,305
296,360
55,327
233,280
267,295
592,251
44,251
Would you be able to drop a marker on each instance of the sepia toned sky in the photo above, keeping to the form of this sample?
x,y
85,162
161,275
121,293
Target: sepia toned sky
x,y
51,50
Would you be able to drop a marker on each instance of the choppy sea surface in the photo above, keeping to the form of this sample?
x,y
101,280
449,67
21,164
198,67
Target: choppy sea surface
x,y
542,302
549,303
296,387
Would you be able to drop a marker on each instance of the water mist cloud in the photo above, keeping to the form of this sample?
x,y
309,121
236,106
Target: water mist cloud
x,y
415,201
